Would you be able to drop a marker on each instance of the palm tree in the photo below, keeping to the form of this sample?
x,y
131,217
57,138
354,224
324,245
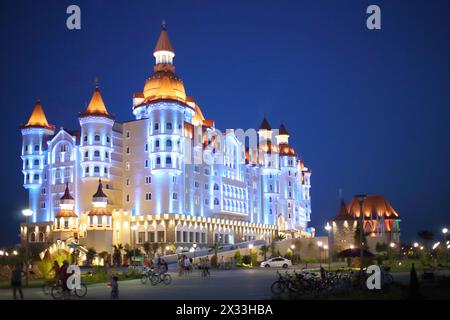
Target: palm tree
x,y
147,248
280,237
117,254
264,250
130,253
90,255
215,248
104,255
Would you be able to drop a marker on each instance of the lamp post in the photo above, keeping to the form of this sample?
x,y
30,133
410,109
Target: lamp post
x,y
330,247
133,241
361,198
27,213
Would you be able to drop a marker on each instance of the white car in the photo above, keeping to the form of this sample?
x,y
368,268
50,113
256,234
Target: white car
x,y
278,262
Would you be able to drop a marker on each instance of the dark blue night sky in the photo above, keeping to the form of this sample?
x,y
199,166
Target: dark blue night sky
x,y
367,110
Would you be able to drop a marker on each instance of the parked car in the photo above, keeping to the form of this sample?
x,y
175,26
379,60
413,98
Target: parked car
x,y
278,262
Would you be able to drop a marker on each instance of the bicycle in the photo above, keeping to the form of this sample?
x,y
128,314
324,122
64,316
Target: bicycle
x,y
57,291
147,275
160,277
47,287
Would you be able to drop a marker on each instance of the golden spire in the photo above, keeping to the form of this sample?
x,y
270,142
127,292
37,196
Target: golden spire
x,y
96,105
163,43
37,118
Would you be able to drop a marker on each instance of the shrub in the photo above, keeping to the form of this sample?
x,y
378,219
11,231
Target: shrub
x,y
238,257
247,259
254,258
214,261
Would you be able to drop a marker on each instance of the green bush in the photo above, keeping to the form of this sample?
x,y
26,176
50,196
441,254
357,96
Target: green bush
x,y
214,261
238,257
247,259
254,258
296,258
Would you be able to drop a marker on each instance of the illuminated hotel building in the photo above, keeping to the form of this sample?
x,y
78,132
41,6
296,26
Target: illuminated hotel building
x,y
168,176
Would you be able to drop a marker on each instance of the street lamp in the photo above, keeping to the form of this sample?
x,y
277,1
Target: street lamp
x,y
27,213
328,229
361,198
416,244
133,239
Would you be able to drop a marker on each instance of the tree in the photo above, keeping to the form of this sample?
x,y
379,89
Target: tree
x,y
214,248
130,253
263,251
90,255
147,248
155,247
280,237
238,257
104,255
357,236
117,254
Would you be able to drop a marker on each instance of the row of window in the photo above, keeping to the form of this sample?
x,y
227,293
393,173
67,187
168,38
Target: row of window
x,y
151,236
96,154
97,138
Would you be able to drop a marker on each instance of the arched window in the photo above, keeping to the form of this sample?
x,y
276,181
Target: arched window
x,y
216,201
96,169
157,143
216,186
169,143
97,137
87,170
96,153
63,148
41,237
33,237
158,160
168,160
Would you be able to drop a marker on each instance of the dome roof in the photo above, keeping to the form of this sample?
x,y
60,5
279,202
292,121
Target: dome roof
x,y
164,84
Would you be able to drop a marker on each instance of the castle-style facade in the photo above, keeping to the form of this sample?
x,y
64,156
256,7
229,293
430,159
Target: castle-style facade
x,y
381,223
168,176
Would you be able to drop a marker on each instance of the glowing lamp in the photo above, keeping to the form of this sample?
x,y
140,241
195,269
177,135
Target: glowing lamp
x,y
27,212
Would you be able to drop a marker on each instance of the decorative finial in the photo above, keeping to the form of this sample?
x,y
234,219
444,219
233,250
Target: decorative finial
x,y
96,82
163,25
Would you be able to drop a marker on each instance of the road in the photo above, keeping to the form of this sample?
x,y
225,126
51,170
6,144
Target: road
x,y
241,284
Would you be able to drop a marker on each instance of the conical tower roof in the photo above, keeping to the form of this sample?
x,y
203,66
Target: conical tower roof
x,y
38,118
163,43
96,106
265,125
282,130
67,195
100,193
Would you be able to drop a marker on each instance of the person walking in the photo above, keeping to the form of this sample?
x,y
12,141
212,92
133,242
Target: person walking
x,y
16,281
114,285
